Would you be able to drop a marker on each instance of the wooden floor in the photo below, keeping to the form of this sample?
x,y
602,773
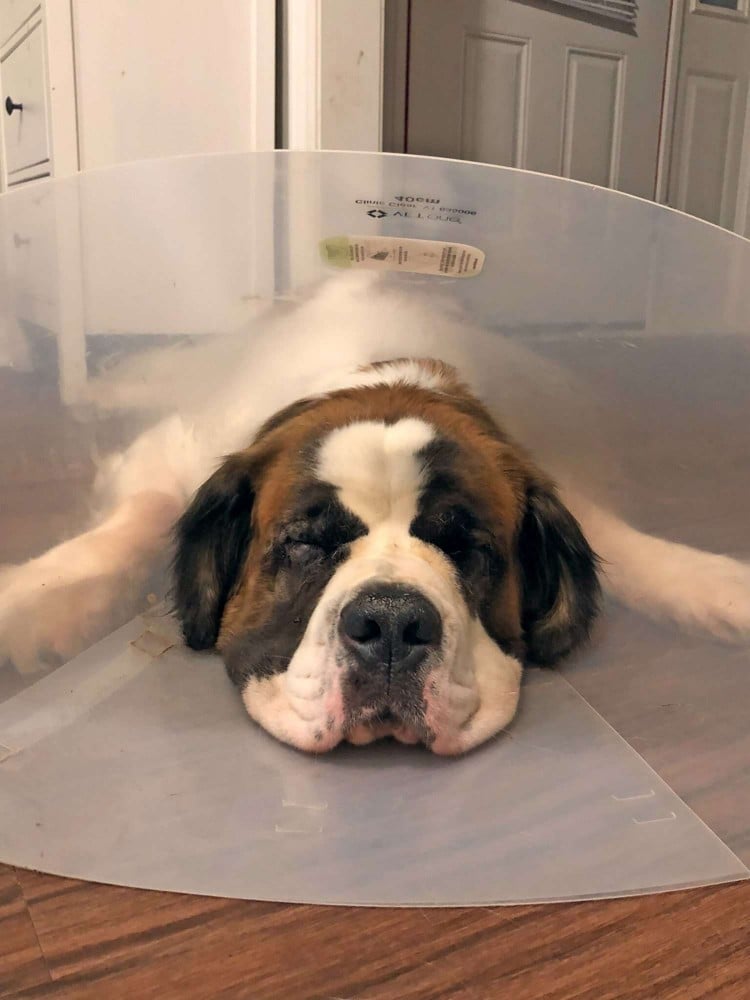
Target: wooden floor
x,y
62,938
66,939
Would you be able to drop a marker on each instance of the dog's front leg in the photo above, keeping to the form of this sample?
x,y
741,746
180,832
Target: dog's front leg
x,y
56,604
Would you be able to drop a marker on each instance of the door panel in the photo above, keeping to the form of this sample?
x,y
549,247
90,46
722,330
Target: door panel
x,y
523,85
495,87
710,112
495,76
710,115
592,123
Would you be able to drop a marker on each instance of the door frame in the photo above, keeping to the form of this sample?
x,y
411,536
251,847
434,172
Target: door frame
x,y
331,81
669,100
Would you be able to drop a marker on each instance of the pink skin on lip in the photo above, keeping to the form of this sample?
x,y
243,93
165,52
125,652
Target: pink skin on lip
x,y
369,732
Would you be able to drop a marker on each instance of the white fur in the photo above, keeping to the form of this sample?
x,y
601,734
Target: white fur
x,y
403,370
65,598
375,469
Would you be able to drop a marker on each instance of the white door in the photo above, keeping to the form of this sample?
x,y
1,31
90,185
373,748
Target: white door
x,y
708,173
529,83
161,78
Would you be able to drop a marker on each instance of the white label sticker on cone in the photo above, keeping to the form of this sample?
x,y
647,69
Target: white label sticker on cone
x,y
391,253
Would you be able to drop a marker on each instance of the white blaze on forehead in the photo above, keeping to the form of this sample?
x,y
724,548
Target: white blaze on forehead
x,y
376,468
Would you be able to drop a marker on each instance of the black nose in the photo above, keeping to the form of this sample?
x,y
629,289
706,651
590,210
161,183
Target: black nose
x,y
390,626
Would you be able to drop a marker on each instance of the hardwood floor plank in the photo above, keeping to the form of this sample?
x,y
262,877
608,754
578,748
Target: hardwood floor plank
x,y
104,941
21,961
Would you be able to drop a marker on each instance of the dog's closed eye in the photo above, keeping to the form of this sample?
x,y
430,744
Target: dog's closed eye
x,y
456,532
300,551
302,544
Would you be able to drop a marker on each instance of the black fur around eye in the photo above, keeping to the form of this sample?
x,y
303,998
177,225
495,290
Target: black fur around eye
x,y
457,533
317,534
299,551
454,546
314,511
453,532
470,554
303,550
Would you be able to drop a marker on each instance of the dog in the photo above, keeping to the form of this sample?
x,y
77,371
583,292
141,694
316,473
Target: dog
x,y
377,555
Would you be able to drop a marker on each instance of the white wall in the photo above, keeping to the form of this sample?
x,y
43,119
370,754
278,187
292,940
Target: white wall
x,y
167,77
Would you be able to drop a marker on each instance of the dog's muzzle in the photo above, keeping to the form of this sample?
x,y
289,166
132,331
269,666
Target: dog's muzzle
x,y
389,634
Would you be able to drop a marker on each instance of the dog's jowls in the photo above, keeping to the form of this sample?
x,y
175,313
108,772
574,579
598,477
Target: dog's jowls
x,y
377,555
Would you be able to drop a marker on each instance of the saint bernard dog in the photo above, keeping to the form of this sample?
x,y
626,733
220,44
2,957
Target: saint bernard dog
x,y
377,554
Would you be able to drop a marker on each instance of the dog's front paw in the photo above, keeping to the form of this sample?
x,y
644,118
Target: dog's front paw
x,y
58,604
717,597
48,616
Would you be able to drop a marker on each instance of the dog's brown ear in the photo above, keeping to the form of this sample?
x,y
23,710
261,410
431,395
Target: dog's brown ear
x,y
560,585
212,538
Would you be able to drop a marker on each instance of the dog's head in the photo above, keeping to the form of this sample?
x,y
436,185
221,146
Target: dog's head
x,y
380,561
